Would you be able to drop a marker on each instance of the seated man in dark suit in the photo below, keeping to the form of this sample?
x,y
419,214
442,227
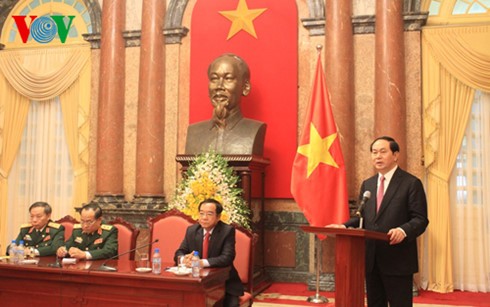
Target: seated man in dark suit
x,y
91,240
41,237
227,132
221,246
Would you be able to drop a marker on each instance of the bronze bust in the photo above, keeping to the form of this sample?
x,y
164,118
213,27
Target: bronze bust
x,y
227,132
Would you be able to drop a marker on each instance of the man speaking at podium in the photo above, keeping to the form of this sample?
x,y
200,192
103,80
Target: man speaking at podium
x,y
399,209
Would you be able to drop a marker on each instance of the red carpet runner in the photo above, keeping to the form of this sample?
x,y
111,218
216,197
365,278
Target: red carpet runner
x,y
295,294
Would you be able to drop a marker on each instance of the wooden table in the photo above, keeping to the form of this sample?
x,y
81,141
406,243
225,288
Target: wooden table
x,y
82,284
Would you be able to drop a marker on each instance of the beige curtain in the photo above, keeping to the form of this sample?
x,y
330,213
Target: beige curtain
x,y
13,116
470,202
455,62
42,74
51,179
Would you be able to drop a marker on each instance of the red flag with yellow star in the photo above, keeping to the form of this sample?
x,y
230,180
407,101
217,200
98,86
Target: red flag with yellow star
x,y
265,34
318,181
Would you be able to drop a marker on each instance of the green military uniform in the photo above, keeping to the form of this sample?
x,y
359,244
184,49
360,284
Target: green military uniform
x,y
46,240
101,244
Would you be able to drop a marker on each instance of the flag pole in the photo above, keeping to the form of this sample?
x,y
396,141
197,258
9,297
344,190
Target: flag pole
x,y
318,164
317,298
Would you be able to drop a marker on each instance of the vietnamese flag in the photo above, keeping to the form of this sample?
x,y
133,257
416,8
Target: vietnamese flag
x,y
318,181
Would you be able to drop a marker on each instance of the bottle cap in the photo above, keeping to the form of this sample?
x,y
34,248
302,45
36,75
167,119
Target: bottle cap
x,y
157,250
21,242
13,241
196,253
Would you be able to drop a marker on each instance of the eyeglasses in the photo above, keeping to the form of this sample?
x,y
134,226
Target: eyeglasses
x,y
208,214
88,223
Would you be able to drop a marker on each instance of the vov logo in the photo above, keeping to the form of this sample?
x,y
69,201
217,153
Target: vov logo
x,y
43,29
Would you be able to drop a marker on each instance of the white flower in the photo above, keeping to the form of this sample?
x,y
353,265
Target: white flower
x,y
209,176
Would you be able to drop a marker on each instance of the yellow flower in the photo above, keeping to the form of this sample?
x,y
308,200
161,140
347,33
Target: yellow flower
x,y
225,217
209,176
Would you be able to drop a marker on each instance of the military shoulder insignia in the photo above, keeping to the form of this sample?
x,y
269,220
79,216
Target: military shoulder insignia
x,y
77,226
106,227
26,225
54,225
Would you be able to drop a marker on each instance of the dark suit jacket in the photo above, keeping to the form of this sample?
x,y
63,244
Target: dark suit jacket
x,y
404,205
221,251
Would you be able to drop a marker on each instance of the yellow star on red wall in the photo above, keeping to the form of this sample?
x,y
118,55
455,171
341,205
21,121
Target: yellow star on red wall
x,y
242,19
318,150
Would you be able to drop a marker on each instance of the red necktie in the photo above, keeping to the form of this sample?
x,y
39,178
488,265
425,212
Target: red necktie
x,y
205,245
381,192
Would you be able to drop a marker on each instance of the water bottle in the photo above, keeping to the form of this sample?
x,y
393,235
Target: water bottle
x,y
20,251
13,252
156,262
196,265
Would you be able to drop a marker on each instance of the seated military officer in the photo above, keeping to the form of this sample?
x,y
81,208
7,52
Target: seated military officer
x,y
91,240
41,237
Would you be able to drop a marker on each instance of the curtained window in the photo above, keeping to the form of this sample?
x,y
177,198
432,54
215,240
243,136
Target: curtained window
x,y
42,169
58,75
470,201
455,64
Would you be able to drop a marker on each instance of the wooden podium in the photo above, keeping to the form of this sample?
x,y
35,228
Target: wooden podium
x,y
350,249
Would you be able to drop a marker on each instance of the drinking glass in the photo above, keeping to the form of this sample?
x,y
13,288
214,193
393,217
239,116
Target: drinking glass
x,y
144,261
181,264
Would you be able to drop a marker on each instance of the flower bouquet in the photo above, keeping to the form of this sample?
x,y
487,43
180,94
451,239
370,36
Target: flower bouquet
x,y
209,176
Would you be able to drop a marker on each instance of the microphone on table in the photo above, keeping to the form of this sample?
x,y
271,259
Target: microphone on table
x,y
360,209
104,267
57,264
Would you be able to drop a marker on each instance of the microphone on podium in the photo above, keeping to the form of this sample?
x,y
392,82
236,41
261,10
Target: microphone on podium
x,y
104,267
365,197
